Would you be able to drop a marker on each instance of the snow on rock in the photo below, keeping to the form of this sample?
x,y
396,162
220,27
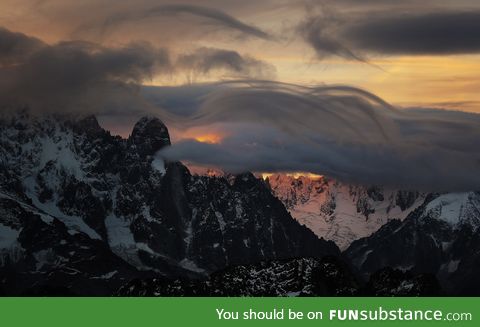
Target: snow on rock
x,y
341,212
159,165
221,221
8,236
59,149
120,238
107,275
455,208
190,265
75,223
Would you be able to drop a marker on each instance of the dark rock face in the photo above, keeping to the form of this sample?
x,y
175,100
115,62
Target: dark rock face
x,y
89,126
439,238
405,199
394,282
84,211
228,215
46,259
328,276
294,277
149,135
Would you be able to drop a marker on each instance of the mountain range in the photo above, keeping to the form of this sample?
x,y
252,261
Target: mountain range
x,y
83,212
86,211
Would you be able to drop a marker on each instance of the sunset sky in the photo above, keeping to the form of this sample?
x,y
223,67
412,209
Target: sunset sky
x,y
315,75
438,67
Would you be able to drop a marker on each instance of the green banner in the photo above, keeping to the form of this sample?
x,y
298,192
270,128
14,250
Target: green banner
x,y
70,312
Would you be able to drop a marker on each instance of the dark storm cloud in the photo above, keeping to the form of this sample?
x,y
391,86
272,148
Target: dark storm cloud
x,y
84,76
15,47
204,61
208,15
70,74
358,36
418,34
342,132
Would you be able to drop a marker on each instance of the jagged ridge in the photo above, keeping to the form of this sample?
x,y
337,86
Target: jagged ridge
x,y
89,189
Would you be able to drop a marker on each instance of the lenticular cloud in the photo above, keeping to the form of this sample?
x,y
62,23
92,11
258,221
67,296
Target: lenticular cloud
x,y
339,131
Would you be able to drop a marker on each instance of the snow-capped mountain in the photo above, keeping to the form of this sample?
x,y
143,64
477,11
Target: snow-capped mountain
x,y
83,211
341,212
439,237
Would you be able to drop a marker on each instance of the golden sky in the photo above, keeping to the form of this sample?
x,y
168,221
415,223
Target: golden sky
x,y
418,77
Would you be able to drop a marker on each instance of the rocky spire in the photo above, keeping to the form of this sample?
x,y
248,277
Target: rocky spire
x,y
149,135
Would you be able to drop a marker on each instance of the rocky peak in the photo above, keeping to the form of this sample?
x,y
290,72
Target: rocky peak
x,y
88,125
149,135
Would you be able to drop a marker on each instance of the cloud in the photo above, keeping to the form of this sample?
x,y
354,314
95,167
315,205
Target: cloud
x,y
79,76
15,47
360,36
441,33
321,34
338,131
208,15
204,61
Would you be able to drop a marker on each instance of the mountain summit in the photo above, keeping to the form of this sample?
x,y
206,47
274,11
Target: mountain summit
x,y
149,135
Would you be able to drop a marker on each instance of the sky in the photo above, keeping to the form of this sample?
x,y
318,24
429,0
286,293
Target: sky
x,y
369,44
328,82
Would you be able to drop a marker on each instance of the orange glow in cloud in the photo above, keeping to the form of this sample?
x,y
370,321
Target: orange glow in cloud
x,y
212,134
209,138
295,175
